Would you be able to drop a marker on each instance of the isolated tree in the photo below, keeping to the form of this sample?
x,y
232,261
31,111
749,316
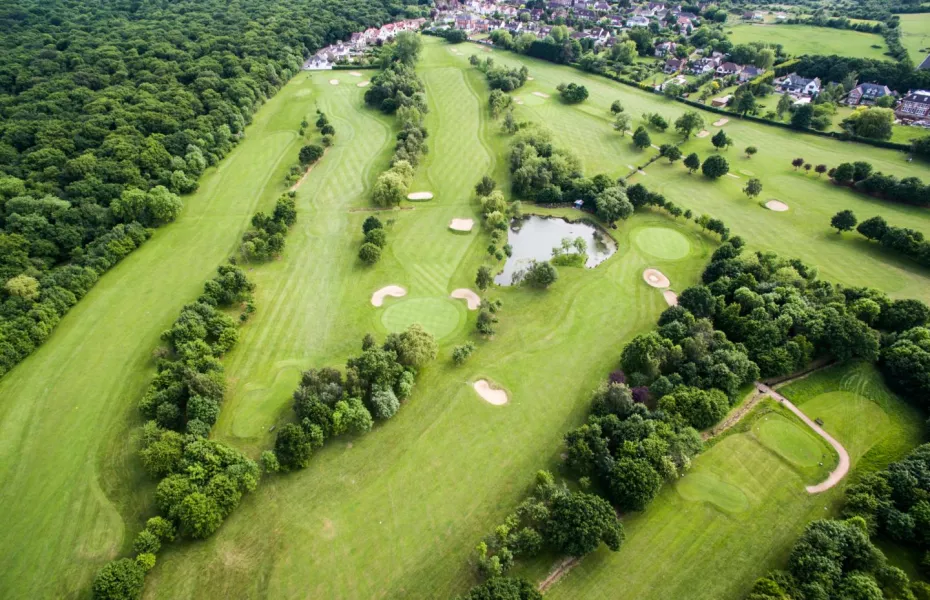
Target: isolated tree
x,y
820,170
751,151
541,274
687,123
616,107
693,162
808,167
785,103
671,152
390,189
844,220
641,138
715,166
797,163
753,187
720,140
622,123
483,279
461,353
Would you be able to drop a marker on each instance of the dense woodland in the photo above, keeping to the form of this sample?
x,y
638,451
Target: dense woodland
x,y
110,111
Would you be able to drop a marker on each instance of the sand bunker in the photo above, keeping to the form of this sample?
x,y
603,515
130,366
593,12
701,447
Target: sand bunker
x,y
363,84
472,300
671,298
495,397
540,94
461,224
655,278
776,205
334,81
702,133
377,299
420,196
528,78
721,122
732,175
355,74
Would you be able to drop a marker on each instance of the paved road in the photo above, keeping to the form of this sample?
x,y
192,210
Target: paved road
x,y
841,469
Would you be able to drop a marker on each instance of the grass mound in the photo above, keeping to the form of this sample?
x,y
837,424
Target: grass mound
x,y
438,316
662,242
790,440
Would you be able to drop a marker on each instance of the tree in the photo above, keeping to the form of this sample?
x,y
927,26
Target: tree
x,y
820,170
390,189
641,138
503,588
573,93
616,107
797,163
803,114
310,153
671,152
622,123
875,123
371,222
407,47
874,228
844,173
720,140
416,347
119,580
715,166
484,279
745,103
633,483
293,446
612,204
687,123
23,286
369,253
485,186
753,187
579,522
785,102
461,353
700,408
540,274
693,162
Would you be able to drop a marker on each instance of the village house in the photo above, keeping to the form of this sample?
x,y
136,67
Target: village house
x,y
727,69
584,13
867,93
750,72
915,106
721,101
673,65
796,85
637,21
665,48
703,66
685,25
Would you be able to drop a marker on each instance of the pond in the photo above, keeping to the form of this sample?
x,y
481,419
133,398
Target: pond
x,y
533,238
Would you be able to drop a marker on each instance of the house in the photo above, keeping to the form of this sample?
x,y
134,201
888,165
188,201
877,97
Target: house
x,y
721,101
644,12
915,106
637,21
584,13
750,72
727,69
601,6
615,20
925,65
685,25
796,85
673,65
867,93
317,63
654,6
599,35
703,66
665,48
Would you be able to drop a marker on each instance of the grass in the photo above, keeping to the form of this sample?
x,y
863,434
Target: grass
x,y
737,513
915,35
396,512
806,39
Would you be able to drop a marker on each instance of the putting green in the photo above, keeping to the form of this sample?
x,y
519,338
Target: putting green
x,y
789,440
439,316
707,487
662,242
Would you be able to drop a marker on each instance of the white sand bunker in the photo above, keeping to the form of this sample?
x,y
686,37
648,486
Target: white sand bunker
x,y
732,175
528,78
495,397
540,94
420,196
702,133
461,224
355,74
334,81
721,122
776,205
518,100
363,84
377,299
671,298
655,278
472,300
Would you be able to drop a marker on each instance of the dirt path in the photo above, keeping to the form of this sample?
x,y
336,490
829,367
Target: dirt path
x,y
735,418
841,469
561,568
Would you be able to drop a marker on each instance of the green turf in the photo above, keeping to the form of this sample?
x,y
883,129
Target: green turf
x,y
806,39
662,242
790,440
696,528
915,35
439,316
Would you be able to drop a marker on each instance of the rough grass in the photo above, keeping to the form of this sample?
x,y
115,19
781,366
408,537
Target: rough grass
x,y
696,528
915,35
806,39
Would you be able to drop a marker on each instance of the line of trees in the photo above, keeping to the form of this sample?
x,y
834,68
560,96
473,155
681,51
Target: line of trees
x,y
909,242
109,114
329,404
861,176
374,240
265,239
500,77
837,558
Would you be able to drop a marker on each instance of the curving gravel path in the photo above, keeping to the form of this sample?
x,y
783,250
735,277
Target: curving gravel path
x,y
841,469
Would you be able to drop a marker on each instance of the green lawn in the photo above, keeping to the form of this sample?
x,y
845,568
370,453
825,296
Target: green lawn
x,y
737,513
915,35
806,39
397,512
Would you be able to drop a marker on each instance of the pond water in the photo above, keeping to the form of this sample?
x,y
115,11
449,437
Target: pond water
x,y
533,238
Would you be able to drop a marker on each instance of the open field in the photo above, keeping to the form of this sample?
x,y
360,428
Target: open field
x,y
915,35
805,39
398,511
719,517
70,485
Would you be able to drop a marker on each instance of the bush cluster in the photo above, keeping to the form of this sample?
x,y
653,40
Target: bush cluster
x,y
374,241
264,240
860,175
909,242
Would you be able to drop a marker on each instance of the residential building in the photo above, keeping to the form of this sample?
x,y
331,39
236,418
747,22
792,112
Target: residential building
x,y
665,48
637,21
728,68
925,65
915,106
867,93
673,65
796,85
750,72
